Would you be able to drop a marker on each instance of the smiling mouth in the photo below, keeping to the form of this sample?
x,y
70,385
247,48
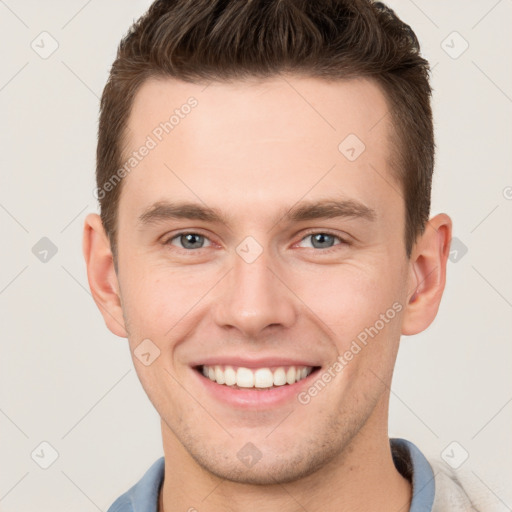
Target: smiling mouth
x,y
255,378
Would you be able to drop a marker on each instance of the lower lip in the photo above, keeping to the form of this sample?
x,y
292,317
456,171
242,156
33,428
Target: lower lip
x,y
251,398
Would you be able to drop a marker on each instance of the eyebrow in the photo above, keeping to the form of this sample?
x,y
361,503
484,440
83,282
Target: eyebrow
x,y
303,211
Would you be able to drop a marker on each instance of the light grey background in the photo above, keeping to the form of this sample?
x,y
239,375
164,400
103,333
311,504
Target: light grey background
x,y
66,380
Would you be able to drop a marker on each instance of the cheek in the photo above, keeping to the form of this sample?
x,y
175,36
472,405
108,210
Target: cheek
x,y
362,307
363,311
349,297
156,298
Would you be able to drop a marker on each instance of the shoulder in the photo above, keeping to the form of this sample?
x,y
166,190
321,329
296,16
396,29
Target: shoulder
x,y
122,504
461,490
143,496
437,487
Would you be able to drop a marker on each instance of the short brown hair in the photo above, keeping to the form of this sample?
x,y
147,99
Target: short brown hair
x,y
215,40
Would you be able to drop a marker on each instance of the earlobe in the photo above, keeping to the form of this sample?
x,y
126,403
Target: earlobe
x,y
101,274
427,275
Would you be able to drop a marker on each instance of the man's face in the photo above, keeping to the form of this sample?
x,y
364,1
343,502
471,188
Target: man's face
x,y
271,285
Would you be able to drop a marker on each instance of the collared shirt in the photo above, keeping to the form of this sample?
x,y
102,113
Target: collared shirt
x,y
409,461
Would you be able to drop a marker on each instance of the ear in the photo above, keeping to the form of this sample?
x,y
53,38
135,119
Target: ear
x,y
427,274
101,274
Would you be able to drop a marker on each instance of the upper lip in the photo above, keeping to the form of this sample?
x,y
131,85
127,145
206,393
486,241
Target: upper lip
x,y
261,362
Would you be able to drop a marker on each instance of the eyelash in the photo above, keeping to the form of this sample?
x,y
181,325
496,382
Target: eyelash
x,y
343,242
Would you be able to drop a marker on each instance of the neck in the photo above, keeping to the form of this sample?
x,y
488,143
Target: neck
x,y
362,477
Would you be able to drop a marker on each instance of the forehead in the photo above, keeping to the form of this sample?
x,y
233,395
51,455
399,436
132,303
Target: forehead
x,y
307,107
273,140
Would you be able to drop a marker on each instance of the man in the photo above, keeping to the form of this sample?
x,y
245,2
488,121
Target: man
x,y
264,172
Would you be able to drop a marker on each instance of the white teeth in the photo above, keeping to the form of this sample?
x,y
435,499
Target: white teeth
x,y
219,375
263,378
290,375
260,378
229,376
279,377
244,378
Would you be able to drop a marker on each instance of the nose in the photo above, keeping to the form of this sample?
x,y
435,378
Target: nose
x,y
254,298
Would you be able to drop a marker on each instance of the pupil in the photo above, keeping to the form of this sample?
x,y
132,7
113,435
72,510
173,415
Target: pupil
x,y
191,240
322,238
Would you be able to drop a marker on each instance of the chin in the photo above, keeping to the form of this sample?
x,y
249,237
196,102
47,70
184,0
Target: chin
x,y
266,468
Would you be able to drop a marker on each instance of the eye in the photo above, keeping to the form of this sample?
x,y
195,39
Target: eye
x,y
323,240
188,241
